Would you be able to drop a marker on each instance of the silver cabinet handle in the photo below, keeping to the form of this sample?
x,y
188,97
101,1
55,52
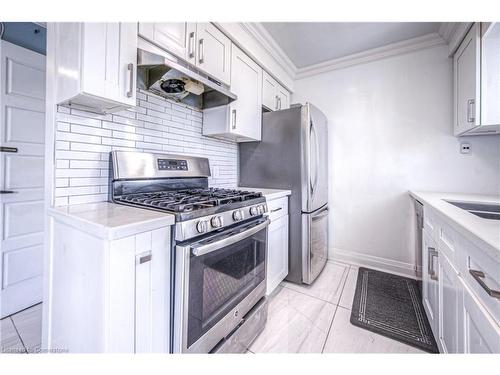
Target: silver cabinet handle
x,y
276,209
8,149
144,258
471,110
277,99
279,103
479,277
130,68
432,252
234,118
201,58
7,192
191,45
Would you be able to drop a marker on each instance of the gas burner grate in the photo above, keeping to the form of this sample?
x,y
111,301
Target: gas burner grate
x,y
188,200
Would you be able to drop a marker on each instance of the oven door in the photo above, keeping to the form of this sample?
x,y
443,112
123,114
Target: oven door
x,y
217,281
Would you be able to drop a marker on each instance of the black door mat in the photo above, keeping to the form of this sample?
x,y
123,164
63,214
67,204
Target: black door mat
x,y
391,305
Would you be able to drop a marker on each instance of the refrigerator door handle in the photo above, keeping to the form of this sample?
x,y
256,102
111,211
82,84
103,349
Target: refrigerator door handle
x,y
314,181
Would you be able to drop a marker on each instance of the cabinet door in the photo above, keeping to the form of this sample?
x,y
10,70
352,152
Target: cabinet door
x,y
450,307
277,253
213,52
169,35
283,98
269,92
109,61
490,73
467,82
246,111
430,287
482,333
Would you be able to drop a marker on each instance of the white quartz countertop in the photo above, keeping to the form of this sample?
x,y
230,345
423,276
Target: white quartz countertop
x,y
270,194
111,221
479,230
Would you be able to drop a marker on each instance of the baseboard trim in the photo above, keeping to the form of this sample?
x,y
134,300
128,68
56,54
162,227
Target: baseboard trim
x,y
376,263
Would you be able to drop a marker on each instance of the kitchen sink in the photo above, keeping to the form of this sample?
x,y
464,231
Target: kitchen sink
x,y
484,210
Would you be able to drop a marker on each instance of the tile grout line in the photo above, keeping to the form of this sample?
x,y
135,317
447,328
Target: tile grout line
x,y
335,312
18,334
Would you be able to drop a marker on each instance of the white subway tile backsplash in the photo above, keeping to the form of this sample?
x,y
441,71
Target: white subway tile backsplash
x,y
84,140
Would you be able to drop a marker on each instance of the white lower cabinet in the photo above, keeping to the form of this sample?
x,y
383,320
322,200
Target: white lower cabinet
x,y
108,296
481,332
277,248
450,303
430,285
461,314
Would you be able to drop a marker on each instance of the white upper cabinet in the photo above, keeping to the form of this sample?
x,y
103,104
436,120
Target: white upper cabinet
x,y
213,52
466,79
241,120
201,44
274,96
171,36
490,73
477,81
96,65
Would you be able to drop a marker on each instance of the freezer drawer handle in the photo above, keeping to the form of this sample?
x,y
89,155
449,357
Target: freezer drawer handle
x,y
479,277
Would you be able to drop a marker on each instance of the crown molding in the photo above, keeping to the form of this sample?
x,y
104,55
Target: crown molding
x,y
406,46
267,42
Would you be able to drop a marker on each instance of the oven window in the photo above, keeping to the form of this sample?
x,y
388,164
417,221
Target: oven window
x,y
219,280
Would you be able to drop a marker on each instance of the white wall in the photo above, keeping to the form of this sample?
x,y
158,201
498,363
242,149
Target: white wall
x,y
391,132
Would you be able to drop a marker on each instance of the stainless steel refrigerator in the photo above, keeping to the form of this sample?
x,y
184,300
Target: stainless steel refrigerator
x,y
293,154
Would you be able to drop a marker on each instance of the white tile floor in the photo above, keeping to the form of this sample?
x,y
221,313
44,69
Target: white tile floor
x,y
22,332
302,319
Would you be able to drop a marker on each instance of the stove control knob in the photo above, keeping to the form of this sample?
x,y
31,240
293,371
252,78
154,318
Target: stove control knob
x,y
260,208
202,226
238,215
254,211
216,222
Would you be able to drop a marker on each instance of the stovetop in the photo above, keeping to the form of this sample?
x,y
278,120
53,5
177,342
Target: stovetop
x,y
192,203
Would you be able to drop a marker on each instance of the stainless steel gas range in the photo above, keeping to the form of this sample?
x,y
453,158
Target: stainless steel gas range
x,y
219,248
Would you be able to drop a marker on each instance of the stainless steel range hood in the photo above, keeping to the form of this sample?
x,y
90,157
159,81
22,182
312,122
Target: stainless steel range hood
x,y
155,66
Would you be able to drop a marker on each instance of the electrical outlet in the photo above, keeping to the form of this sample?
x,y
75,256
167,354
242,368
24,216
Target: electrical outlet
x,y
465,148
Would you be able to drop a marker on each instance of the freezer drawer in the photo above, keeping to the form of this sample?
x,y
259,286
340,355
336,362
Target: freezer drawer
x,y
314,244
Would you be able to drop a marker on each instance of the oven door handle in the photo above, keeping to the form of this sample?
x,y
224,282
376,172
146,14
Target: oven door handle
x,y
208,248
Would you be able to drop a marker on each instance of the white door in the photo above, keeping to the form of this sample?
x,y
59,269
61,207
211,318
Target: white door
x,y
467,82
246,111
22,127
213,52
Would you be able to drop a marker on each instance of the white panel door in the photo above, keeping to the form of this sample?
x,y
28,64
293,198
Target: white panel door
x,y
22,127
213,52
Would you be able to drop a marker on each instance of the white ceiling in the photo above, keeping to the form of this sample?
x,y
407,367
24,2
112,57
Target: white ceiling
x,y
309,43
